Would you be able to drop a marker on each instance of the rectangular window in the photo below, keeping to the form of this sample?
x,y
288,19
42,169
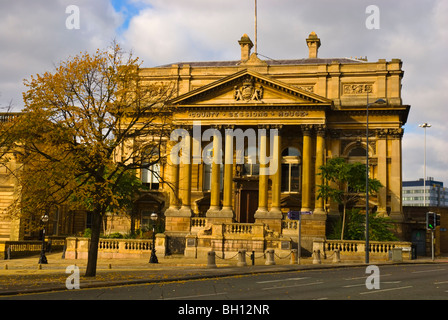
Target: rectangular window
x,y
151,176
290,177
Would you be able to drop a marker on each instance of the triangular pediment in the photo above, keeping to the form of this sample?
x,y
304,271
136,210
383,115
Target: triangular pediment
x,y
248,87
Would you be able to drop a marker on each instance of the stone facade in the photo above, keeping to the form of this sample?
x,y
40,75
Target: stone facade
x,y
254,133
317,109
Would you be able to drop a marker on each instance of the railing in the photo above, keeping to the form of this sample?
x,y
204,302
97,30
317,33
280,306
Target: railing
x,y
354,249
121,245
14,249
198,222
289,224
238,228
77,248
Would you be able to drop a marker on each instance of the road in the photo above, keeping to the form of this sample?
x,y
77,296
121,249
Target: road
x,y
386,282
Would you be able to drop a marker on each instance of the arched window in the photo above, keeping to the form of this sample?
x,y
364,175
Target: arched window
x,y
150,172
291,170
357,152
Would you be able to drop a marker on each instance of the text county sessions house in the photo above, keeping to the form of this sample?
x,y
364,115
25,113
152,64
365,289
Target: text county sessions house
x,y
318,108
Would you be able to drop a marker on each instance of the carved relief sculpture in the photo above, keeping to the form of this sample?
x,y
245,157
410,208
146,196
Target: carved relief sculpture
x,y
248,92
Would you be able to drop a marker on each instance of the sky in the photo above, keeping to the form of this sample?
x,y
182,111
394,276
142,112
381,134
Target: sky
x,y
37,35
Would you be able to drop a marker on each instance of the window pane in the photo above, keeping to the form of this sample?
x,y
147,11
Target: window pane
x,y
255,169
290,151
145,175
207,181
285,177
294,178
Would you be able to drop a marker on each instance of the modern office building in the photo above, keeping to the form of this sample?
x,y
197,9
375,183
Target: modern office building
x,y
429,193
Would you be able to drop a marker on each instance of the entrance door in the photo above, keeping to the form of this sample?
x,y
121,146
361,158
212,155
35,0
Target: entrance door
x,y
248,206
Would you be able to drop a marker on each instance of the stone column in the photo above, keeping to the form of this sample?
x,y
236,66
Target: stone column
x,y
276,175
173,187
396,176
381,151
306,168
263,176
320,158
215,194
176,221
227,209
185,171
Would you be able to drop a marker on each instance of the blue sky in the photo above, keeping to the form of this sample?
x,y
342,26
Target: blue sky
x,y
34,39
128,9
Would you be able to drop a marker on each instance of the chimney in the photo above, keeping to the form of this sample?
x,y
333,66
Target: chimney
x,y
313,43
246,44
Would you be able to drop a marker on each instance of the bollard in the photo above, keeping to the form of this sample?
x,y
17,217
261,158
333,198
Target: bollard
x,y
337,256
6,267
252,257
293,256
241,258
270,257
316,257
211,257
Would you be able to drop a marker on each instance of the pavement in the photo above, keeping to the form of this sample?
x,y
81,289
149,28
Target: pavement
x,y
25,275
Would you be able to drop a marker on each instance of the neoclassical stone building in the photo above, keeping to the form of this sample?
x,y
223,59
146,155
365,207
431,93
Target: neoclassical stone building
x,y
301,112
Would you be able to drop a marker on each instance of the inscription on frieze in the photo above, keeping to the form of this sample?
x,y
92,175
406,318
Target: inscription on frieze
x,y
247,114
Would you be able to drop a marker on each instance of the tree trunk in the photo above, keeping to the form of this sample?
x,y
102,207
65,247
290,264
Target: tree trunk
x,y
343,222
94,241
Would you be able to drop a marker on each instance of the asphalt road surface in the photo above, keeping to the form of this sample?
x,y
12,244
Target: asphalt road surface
x,y
386,282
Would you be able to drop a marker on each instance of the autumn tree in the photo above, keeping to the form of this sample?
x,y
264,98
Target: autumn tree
x,y
84,128
345,183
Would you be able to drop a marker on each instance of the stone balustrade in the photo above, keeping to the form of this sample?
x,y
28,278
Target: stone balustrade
x,y
229,238
78,248
355,249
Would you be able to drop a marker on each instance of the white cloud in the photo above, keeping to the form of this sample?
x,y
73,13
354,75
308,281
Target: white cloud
x,y
34,37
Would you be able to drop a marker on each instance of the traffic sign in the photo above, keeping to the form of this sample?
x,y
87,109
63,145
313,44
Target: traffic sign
x,y
295,215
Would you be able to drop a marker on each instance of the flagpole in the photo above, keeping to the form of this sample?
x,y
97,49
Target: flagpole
x,y
255,26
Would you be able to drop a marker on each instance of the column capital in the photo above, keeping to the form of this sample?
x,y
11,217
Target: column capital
x,y
307,129
321,129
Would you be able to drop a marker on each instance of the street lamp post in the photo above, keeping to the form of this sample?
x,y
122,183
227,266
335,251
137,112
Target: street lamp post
x,y
424,126
43,258
379,101
153,258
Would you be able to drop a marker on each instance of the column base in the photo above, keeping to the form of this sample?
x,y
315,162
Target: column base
x,y
213,211
275,213
318,211
227,212
262,212
215,215
185,211
172,211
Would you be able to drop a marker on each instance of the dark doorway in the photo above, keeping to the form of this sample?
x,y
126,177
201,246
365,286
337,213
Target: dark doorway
x,y
248,206
419,239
